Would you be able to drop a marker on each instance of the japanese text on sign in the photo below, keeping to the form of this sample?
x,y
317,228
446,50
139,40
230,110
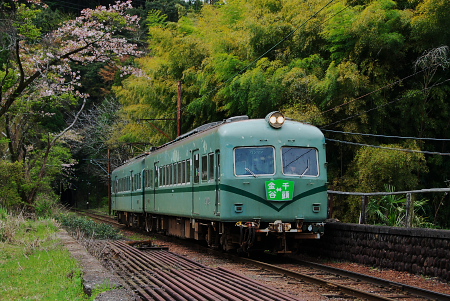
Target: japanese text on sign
x,y
279,190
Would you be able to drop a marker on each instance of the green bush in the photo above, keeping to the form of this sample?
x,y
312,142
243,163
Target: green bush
x,y
45,204
82,225
11,175
3,213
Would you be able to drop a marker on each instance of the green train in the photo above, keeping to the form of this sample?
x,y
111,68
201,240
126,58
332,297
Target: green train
x,y
238,184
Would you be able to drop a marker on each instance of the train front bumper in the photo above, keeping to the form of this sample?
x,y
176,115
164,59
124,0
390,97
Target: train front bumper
x,y
300,230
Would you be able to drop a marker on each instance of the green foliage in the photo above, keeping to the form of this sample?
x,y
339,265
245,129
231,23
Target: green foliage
x,y
390,210
24,23
87,227
430,24
45,204
155,18
3,213
35,266
342,66
11,179
376,168
373,169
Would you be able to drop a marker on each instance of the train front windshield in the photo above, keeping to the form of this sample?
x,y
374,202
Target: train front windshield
x,y
300,161
254,161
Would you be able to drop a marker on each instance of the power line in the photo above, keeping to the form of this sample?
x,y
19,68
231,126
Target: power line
x,y
390,148
385,136
386,104
374,91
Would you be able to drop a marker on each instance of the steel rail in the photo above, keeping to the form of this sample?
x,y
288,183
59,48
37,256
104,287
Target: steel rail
x,y
417,291
311,279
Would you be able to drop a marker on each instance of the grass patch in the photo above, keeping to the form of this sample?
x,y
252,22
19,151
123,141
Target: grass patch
x,y
83,227
34,265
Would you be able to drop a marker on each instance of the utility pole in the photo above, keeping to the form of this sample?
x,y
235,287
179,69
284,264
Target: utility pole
x,y
109,181
180,97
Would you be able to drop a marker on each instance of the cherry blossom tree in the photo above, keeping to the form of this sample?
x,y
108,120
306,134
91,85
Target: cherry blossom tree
x,y
44,69
37,72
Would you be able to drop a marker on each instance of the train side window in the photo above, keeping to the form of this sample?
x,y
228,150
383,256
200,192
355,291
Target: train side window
x,y
139,181
300,161
168,175
204,168
218,165
211,166
188,171
150,178
196,168
183,172
179,172
174,173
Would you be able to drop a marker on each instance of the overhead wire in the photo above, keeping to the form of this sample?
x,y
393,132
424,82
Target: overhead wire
x,y
385,136
372,92
389,148
383,105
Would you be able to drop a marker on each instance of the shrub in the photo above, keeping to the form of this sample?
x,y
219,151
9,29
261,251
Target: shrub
x,y
82,226
44,205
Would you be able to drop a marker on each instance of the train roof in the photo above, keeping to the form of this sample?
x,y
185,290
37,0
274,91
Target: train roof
x,y
198,130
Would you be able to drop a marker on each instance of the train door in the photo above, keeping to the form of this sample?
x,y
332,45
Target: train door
x,y
131,205
195,178
114,190
143,182
155,184
136,192
217,182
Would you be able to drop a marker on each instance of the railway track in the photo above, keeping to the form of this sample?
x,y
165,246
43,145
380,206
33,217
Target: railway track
x,y
349,283
340,283
98,217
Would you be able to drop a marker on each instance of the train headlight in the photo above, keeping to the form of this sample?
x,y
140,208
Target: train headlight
x,y
275,119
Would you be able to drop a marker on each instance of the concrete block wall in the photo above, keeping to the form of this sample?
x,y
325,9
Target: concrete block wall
x,y
419,251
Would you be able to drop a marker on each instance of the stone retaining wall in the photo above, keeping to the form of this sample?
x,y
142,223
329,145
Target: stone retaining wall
x,y
419,251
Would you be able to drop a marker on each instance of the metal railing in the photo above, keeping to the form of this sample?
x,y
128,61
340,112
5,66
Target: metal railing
x,y
409,200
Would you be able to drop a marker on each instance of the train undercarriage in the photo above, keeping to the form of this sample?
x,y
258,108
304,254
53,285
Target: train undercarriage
x,y
242,237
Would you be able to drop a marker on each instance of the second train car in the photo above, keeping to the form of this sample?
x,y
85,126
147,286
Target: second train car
x,y
239,184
